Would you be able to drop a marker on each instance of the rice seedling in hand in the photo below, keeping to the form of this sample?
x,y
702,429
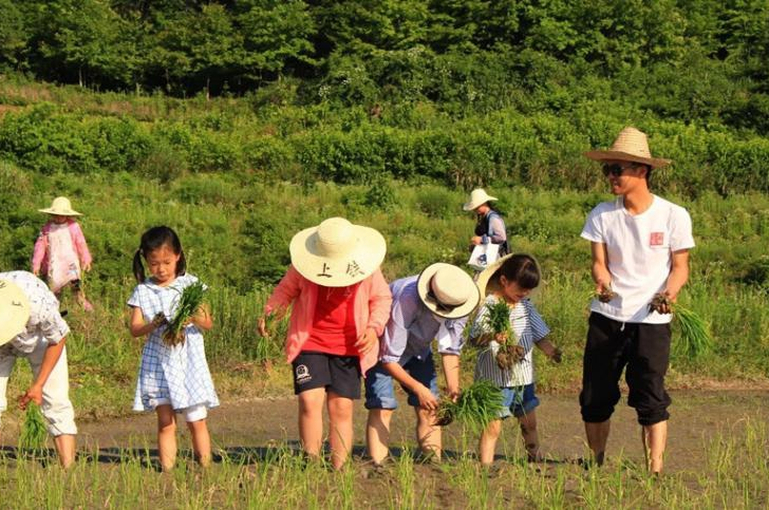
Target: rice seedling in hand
x,y
34,432
189,302
476,407
695,337
498,323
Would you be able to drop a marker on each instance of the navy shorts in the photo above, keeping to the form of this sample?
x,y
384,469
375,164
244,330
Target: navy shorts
x,y
340,374
380,393
518,401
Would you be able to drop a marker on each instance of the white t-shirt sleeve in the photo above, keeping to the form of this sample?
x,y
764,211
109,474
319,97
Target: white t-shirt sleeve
x,y
593,230
681,230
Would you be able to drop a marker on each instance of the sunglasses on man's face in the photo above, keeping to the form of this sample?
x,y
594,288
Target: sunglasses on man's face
x,y
614,169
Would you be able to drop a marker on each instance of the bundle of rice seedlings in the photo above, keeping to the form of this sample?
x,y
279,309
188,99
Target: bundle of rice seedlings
x,y
189,302
34,432
695,337
498,321
476,407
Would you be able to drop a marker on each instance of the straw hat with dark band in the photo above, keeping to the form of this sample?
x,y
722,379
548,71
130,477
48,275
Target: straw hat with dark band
x,y
14,311
447,291
60,207
337,253
484,282
630,145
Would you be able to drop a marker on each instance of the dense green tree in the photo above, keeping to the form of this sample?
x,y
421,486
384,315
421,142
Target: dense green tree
x,y
13,35
274,32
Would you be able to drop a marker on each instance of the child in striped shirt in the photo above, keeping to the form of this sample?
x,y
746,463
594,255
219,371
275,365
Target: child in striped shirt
x,y
512,278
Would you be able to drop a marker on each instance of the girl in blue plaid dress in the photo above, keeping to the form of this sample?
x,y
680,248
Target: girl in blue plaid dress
x,y
172,379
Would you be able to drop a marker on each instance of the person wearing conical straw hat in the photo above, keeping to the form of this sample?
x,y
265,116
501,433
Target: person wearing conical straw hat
x,y
436,303
506,356
31,327
640,248
61,253
341,303
489,226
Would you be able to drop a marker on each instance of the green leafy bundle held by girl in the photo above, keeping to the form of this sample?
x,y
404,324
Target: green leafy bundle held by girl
x,y
509,281
173,376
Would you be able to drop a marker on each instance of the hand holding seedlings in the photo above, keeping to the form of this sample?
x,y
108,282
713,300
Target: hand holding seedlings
x,y
159,320
661,303
557,355
476,407
189,304
605,294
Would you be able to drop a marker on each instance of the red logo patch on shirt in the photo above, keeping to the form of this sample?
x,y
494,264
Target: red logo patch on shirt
x,y
656,238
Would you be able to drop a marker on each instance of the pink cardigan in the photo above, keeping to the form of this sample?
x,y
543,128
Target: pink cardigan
x,y
372,310
40,253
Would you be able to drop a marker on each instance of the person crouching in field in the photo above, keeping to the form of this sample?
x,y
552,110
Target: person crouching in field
x,y
640,247
341,303
172,378
507,357
61,252
439,299
31,327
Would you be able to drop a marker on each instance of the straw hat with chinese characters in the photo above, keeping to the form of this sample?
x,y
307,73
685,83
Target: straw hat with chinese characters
x,y
447,291
60,207
14,311
630,145
478,197
337,253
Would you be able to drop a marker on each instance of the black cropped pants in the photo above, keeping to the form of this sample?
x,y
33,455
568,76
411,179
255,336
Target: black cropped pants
x,y
611,347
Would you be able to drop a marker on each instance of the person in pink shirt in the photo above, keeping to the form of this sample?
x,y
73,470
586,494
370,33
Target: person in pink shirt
x,y
341,303
61,252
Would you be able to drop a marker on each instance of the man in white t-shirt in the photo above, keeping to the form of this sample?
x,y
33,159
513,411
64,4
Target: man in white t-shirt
x,y
640,247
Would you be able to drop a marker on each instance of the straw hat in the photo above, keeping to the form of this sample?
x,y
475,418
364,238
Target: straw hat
x,y
630,145
447,291
485,286
478,197
60,207
14,311
337,253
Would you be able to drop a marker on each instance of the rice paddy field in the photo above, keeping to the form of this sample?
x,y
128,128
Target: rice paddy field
x,y
235,227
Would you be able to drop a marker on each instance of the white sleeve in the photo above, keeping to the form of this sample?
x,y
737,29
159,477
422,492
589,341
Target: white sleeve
x,y
681,230
593,230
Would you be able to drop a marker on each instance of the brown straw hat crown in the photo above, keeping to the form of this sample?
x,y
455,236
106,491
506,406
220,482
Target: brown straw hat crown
x,y
630,145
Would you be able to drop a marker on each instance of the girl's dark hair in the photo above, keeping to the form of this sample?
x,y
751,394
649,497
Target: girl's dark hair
x,y
521,269
156,238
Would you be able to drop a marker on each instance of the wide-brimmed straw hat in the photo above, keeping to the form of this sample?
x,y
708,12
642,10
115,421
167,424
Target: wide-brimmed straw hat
x,y
337,253
60,207
485,285
447,291
478,197
14,311
630,145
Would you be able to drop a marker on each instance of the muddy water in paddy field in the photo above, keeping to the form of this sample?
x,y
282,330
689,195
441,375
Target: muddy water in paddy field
x,y
259,426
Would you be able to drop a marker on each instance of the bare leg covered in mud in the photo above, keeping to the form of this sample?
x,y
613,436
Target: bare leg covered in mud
x,y
428,434
378,434
340,428
597,435
488,442
654,438
201,442
340,410
166,437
